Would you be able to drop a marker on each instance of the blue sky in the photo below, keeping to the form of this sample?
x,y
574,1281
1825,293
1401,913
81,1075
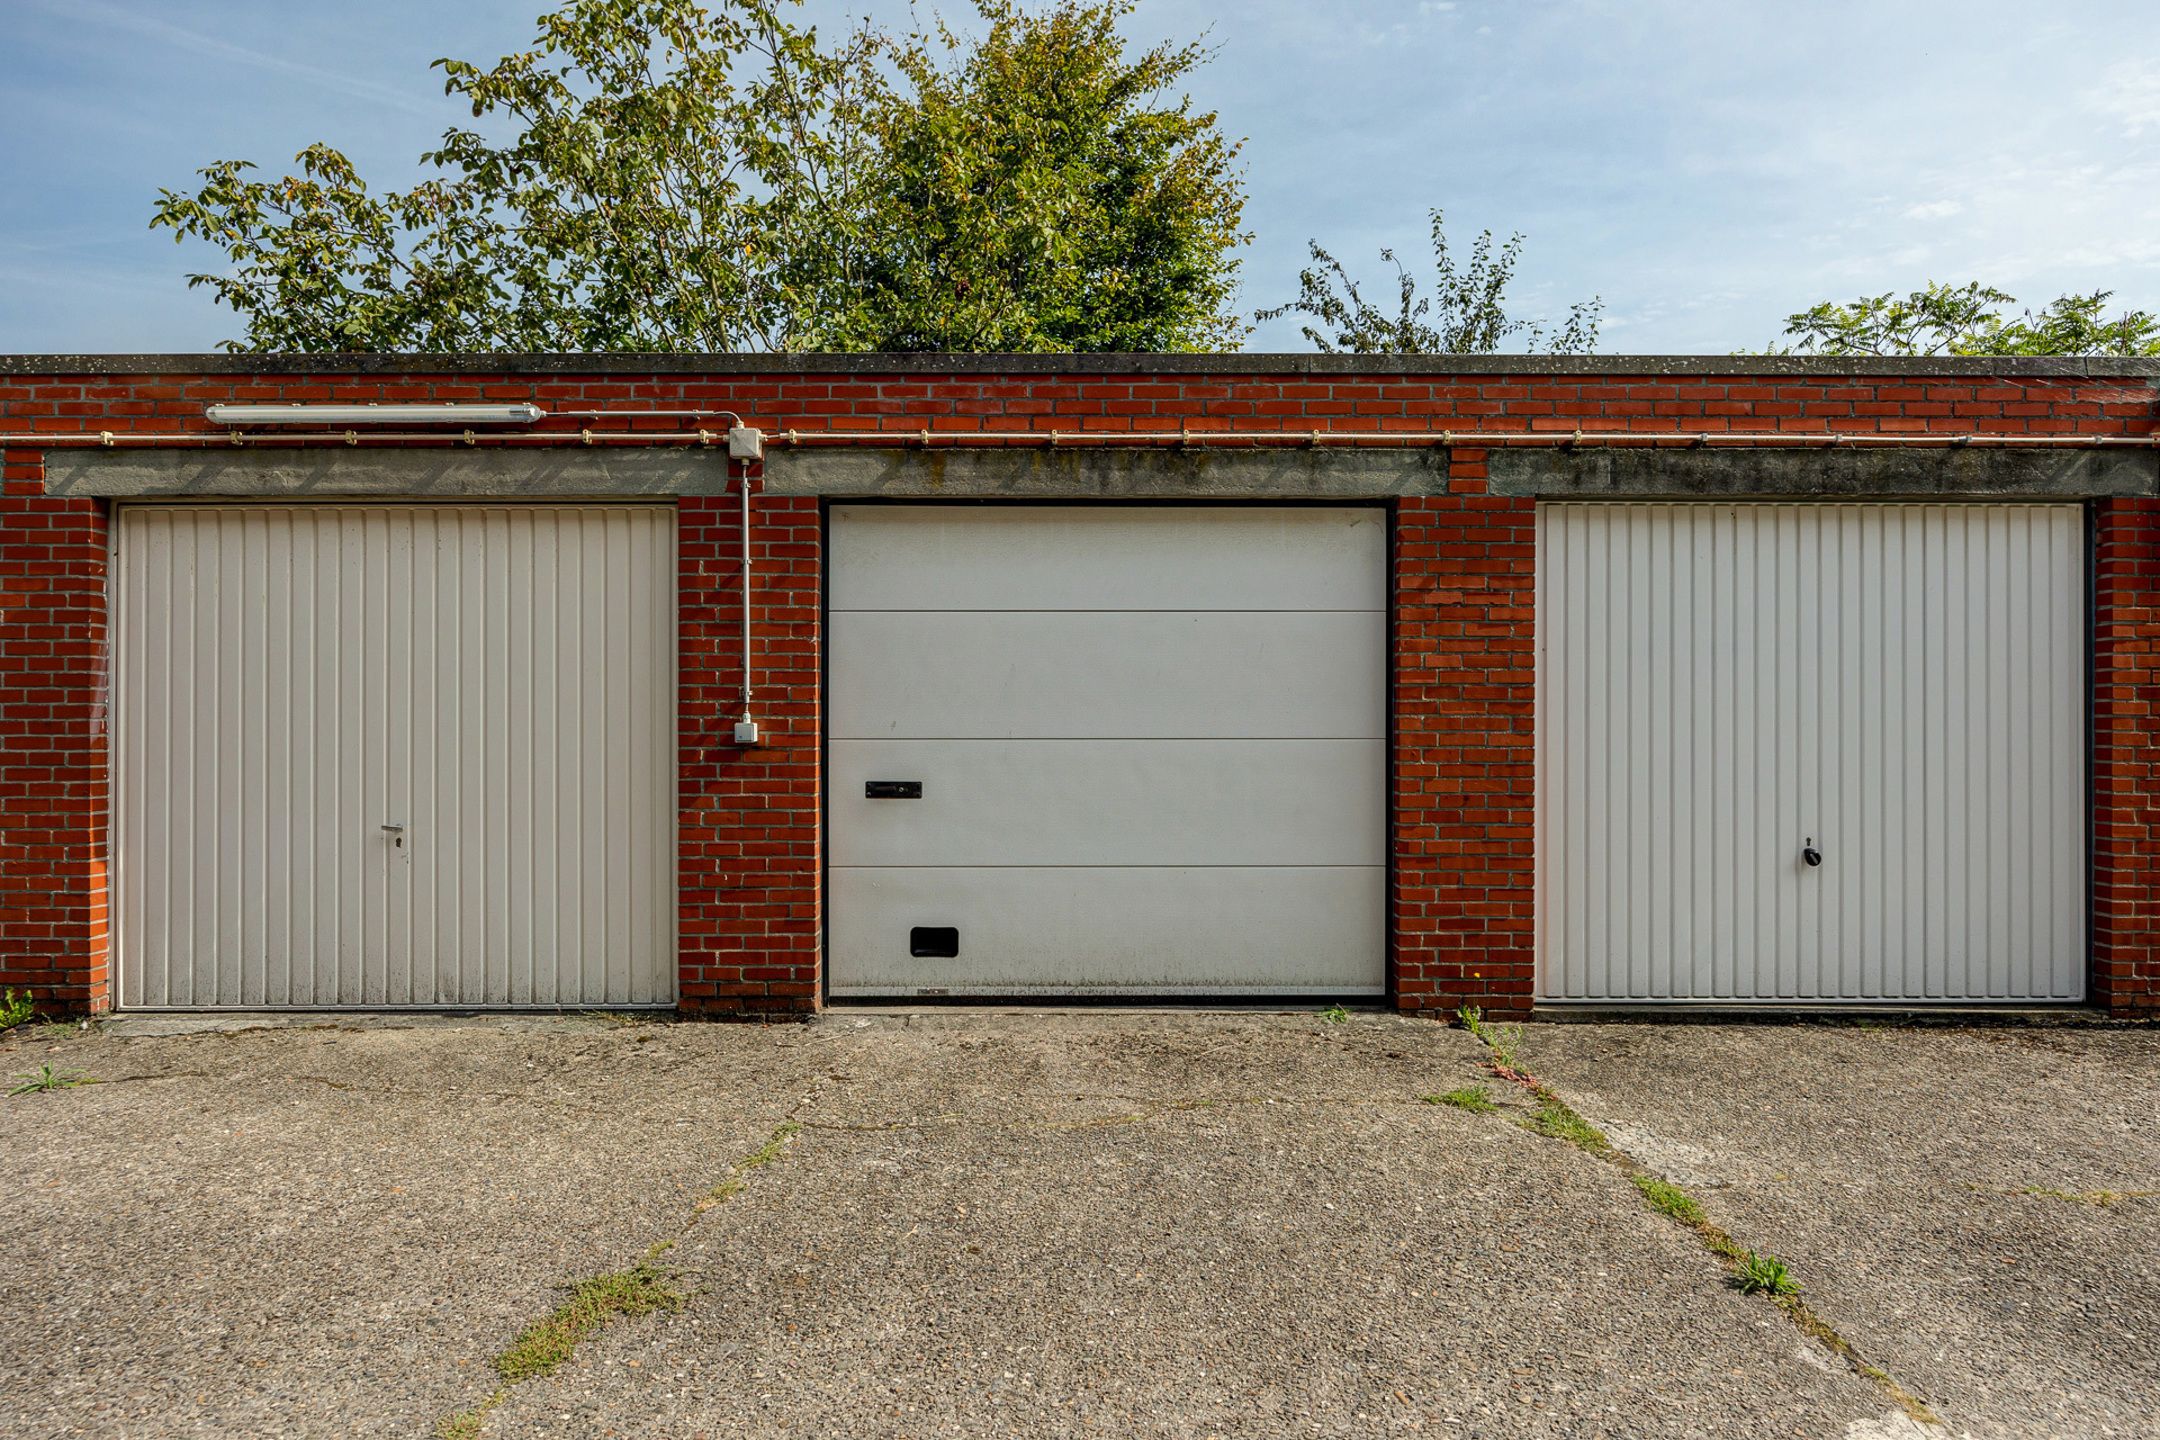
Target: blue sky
x,y
1705,167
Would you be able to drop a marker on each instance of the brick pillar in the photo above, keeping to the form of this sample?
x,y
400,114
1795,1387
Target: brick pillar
x,y
751,927
53,921
1463,674
2126,769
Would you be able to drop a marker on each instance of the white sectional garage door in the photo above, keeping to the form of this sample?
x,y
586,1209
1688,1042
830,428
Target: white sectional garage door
x,y
395,755
1897,688
1138,750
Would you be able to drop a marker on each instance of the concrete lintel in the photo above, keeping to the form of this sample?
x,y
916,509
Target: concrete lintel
x,y
507,474
1109,473
1845,473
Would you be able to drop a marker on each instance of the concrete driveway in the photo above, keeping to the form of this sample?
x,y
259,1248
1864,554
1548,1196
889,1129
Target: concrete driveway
x,y
993,1223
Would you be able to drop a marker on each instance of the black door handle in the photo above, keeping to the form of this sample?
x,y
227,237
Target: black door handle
x,y
892,790
1809,853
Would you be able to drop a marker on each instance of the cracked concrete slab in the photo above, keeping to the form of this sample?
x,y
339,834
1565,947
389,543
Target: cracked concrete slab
x,y
1924,1183
1121,1223
323,1231
1252,1267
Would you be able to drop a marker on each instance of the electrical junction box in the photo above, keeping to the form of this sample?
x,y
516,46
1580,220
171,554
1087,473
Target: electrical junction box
x,y
745,442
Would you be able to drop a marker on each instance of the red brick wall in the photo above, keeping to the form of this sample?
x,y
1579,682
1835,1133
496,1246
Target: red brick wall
x,y
52,742
751,924
751,921
2126,768
1464,680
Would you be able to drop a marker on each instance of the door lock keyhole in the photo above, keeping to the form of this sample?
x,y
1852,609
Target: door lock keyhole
x,y
1809,853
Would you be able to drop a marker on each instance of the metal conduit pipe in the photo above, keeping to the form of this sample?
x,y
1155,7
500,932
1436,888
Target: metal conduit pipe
x,y
746,730
1015,439
728,415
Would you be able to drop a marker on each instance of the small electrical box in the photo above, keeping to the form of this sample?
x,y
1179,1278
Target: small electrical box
x,y
745,442
746,731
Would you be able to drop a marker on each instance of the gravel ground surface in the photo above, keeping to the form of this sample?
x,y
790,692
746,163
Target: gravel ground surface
x,y
1103,1223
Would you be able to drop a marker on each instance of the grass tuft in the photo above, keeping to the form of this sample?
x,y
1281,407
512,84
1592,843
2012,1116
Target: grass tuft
x,y
1554,1118
467,1424
1474,1098
546,1344
1335,1015
542,1347
739,1173
17,1009
1764,1274
44,1078
1668,1199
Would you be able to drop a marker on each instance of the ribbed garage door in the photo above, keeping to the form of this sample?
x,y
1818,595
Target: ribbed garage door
x,y
1727,693
395,755
1099,749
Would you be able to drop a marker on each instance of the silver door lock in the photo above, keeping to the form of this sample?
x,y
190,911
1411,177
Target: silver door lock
x,y
396,830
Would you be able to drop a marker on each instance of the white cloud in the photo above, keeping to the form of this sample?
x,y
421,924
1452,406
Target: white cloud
x,y
2129,92
1933,210
103,12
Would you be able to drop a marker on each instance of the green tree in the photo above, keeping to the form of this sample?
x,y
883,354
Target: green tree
x,y
679,177
1465,313
1045,199
1970,320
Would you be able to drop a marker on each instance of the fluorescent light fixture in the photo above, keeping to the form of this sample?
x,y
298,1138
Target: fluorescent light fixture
x,y
342,415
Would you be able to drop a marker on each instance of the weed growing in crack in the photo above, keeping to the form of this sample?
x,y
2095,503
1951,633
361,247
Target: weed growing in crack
x,y
1668,1199
1764,1274
1335,1015
1474,1098
544,1345
774,1147
1505,1042
16,1009
45,1078
1556,1119
1752,1273
467,1424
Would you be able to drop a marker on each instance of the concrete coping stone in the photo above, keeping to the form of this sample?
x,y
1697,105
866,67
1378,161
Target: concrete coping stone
x,y
1241,363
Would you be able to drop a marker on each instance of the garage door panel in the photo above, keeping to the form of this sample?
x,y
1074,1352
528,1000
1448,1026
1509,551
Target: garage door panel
x,y
1150,741
1232,675
945,557
498,679
1900,684
1111,802
1139,930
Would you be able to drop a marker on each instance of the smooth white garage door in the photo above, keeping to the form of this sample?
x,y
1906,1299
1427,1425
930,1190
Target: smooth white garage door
x,y
1722,688
497,680
1149,744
